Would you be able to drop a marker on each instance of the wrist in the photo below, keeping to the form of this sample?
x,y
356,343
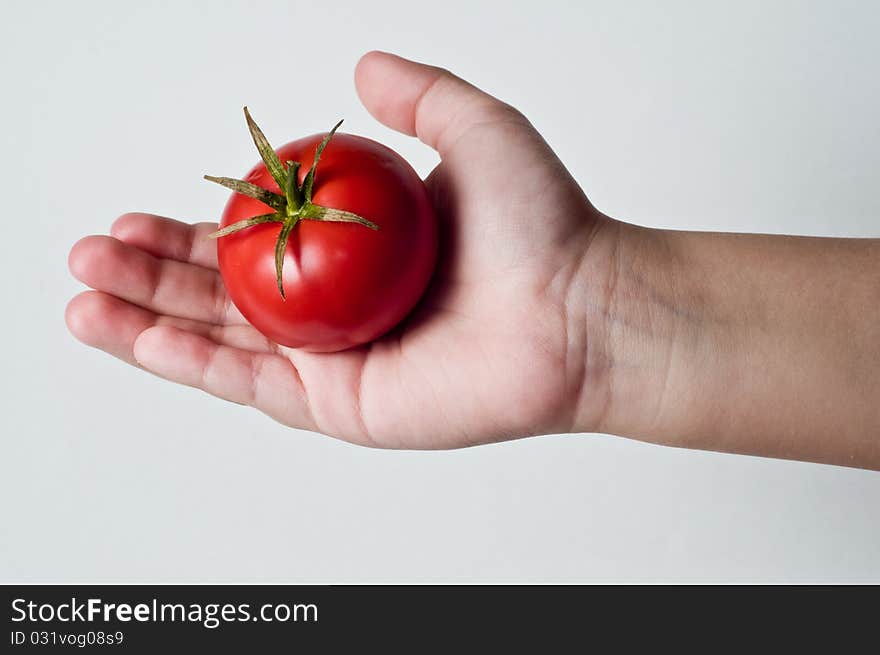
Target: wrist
x,y
647,338
755,344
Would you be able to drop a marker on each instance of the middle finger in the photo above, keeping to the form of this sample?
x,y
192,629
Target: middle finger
x,y
164,286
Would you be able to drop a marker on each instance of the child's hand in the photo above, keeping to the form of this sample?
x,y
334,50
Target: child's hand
x,y
497,349
544,315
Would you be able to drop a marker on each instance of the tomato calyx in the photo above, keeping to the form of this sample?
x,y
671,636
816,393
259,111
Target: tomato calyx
x,y
291,207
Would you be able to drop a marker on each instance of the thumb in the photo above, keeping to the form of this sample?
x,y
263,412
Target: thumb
x,y
425,101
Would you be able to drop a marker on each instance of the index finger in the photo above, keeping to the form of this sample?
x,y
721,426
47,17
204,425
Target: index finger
x,y
168,238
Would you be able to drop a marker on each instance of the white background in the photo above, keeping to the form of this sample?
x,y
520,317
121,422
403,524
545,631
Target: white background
x,y
744,116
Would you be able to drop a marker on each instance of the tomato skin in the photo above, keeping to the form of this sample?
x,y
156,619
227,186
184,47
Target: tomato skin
x,y
344,283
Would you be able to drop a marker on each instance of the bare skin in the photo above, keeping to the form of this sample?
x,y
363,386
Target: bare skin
x,y
545,315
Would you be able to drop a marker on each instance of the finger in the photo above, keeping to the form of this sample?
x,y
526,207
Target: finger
x,y
167,238
425,101
268,382
164,286
112,325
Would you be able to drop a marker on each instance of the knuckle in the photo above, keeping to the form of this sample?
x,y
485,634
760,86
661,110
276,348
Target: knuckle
x,y
123,224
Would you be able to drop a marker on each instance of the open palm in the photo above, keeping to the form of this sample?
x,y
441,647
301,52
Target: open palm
x,y
495,350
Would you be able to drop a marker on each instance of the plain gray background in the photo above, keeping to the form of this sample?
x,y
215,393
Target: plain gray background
x,y
743,116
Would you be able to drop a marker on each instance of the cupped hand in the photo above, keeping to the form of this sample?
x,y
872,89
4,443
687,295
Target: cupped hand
x,y
498,347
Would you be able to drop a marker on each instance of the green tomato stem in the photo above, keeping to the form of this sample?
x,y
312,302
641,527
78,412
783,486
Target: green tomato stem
x,y
267,153
292,192
250,190
248,222
294,206
280,248
320,213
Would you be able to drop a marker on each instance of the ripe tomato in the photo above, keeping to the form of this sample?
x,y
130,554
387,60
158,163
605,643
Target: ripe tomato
x,y
343,284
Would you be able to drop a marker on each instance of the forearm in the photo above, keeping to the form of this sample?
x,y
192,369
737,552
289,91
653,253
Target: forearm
x,y
768,345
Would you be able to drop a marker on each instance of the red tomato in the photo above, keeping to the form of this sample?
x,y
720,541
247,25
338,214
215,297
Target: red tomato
x,y
345,284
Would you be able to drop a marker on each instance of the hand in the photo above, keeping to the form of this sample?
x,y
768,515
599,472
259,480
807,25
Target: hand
x,y
498,347
544,315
